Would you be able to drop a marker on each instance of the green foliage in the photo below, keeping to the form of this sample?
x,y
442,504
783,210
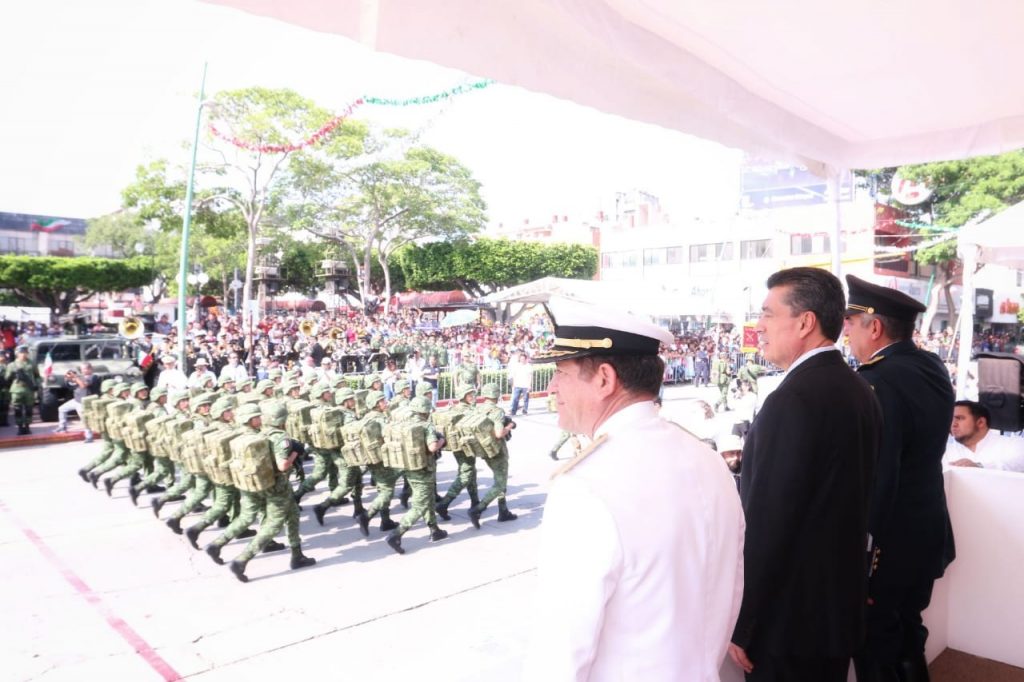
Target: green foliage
x,y
56,283
485,265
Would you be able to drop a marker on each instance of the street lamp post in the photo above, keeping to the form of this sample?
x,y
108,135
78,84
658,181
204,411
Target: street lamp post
x,y
198,280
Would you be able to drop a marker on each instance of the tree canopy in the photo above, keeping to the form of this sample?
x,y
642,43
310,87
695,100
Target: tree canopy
x,y
57,283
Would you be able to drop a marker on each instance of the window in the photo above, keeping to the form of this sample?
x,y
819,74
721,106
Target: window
x,y
654,256
801,244
14,245
59,352
606,261
674,255
755,248
706,253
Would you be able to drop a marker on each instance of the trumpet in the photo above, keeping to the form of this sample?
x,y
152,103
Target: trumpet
x,y
131,328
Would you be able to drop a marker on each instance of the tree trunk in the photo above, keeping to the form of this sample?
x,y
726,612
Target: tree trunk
x,y
387,281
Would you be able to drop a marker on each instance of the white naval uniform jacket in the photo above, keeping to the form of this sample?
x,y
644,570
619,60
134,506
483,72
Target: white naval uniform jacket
x,y
641,567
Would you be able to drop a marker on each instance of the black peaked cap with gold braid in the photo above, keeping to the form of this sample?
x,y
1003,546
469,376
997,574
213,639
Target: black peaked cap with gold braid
x,y
875,299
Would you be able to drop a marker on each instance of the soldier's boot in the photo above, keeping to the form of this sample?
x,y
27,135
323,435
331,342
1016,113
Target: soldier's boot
x,y
3,419
364,522
247,533
223,521
442,509
135,479
133,493
437,533
357,509
175,525
108,483
94,478
213,551
272,546
474,496
474,516
298,495
503,513
192,534
175,498
321,509
300,560
157,504
386,523
553,455
154,489
343,501
82,473
406,493
200,509
238,568
395,542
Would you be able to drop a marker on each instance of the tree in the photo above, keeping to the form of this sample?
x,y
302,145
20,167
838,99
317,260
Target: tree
x,y
486,265
57,283
964,191
374,208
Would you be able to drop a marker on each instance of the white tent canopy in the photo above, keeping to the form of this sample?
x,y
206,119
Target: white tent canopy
x,y
997,241
876,83
641,298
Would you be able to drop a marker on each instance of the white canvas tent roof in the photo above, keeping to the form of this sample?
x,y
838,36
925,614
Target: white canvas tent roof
x,y
641,298
864,85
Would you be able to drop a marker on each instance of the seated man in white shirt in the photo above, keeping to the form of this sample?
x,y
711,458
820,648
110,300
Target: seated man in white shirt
x,y
974,444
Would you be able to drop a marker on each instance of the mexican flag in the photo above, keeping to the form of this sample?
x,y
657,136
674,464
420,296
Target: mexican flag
x,y
47,366
51,225
144,358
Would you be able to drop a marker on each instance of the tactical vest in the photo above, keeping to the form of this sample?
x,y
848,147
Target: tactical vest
x,y
116,411
94,412
361,408
193,447
135,430
155,435
300,418
173,431
217,460
476,434
372,438
252,463
405,446
447,421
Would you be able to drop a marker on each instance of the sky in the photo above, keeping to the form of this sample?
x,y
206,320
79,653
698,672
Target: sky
x,y
93,89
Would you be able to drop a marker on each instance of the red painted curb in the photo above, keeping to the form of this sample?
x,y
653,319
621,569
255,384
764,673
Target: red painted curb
x,y
39,439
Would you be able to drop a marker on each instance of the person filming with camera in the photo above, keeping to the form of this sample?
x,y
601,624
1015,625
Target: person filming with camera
x,y
82,383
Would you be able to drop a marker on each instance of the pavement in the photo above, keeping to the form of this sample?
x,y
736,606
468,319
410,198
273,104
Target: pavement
x,y
99,589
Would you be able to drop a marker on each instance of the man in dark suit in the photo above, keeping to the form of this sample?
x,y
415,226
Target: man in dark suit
x,y
912,540
808,462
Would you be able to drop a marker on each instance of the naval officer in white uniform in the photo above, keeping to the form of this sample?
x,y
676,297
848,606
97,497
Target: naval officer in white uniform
x,y
641,567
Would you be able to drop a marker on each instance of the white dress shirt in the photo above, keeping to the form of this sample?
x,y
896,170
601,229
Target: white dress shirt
x,y
994,451
630,591
173,379
237,372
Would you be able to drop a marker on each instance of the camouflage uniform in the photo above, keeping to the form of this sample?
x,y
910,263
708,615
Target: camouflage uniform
x,y
186,480
225,496
5,391
106,447
23,377
162,467
203,486
466,477
721,375
323,460
118,451
423,482
498,464
135,460
282,511
350,477
384,476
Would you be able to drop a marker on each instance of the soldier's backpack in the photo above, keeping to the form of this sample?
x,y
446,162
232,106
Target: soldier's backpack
x,y
217,460
300,418
476,433
447,422
94,412
371,436
155,435
325,432
252,464
116,411
135,430
193,447
361,408
352,445
405,446
173,431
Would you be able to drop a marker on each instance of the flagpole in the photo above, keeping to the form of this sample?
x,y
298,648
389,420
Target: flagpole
x,y
186,224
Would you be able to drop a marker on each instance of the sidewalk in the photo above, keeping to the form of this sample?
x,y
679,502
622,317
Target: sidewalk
x,y
42,433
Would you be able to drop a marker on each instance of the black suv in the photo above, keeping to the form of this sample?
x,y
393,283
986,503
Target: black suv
x,y
109,356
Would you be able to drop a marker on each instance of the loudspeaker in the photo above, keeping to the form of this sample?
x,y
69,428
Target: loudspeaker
x,y
1001,389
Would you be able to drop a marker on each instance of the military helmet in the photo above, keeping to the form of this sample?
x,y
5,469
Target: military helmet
x,y
319,388
343,394
157,391
246,412
371,379
108,385
220,406
490,391
372,398
289,386
21,349
275,413
121,387
203,399
423,388
175,397
340,382
274,372
401,385
225,379
293,374
462,391
264,385
247,381
420,405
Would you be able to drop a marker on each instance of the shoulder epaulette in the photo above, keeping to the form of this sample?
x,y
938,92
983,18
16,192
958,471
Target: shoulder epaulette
x,y
872,361
582,455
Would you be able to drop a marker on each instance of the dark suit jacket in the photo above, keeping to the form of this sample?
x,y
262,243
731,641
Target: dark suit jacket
x,y
908,518
808,462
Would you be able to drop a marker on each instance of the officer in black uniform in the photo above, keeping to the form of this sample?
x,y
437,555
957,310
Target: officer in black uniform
x,y
911,538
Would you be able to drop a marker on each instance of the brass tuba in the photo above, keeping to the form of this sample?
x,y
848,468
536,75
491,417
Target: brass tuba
x,y
337,333
308,327
131,328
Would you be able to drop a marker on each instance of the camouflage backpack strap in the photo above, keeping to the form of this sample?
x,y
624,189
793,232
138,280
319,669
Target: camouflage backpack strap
x,y
583,454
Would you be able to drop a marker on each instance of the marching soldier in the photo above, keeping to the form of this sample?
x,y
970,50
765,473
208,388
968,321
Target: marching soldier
x,y
202,486
384,476
323,462
498,463
281,509
5,391
225,495
422,478
721,375
135,461
23,377
186,479
106,389
162,404
118,452
350,476
466,477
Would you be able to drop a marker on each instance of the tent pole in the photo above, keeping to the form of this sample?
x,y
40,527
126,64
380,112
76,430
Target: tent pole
x,y
834,175
969,254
